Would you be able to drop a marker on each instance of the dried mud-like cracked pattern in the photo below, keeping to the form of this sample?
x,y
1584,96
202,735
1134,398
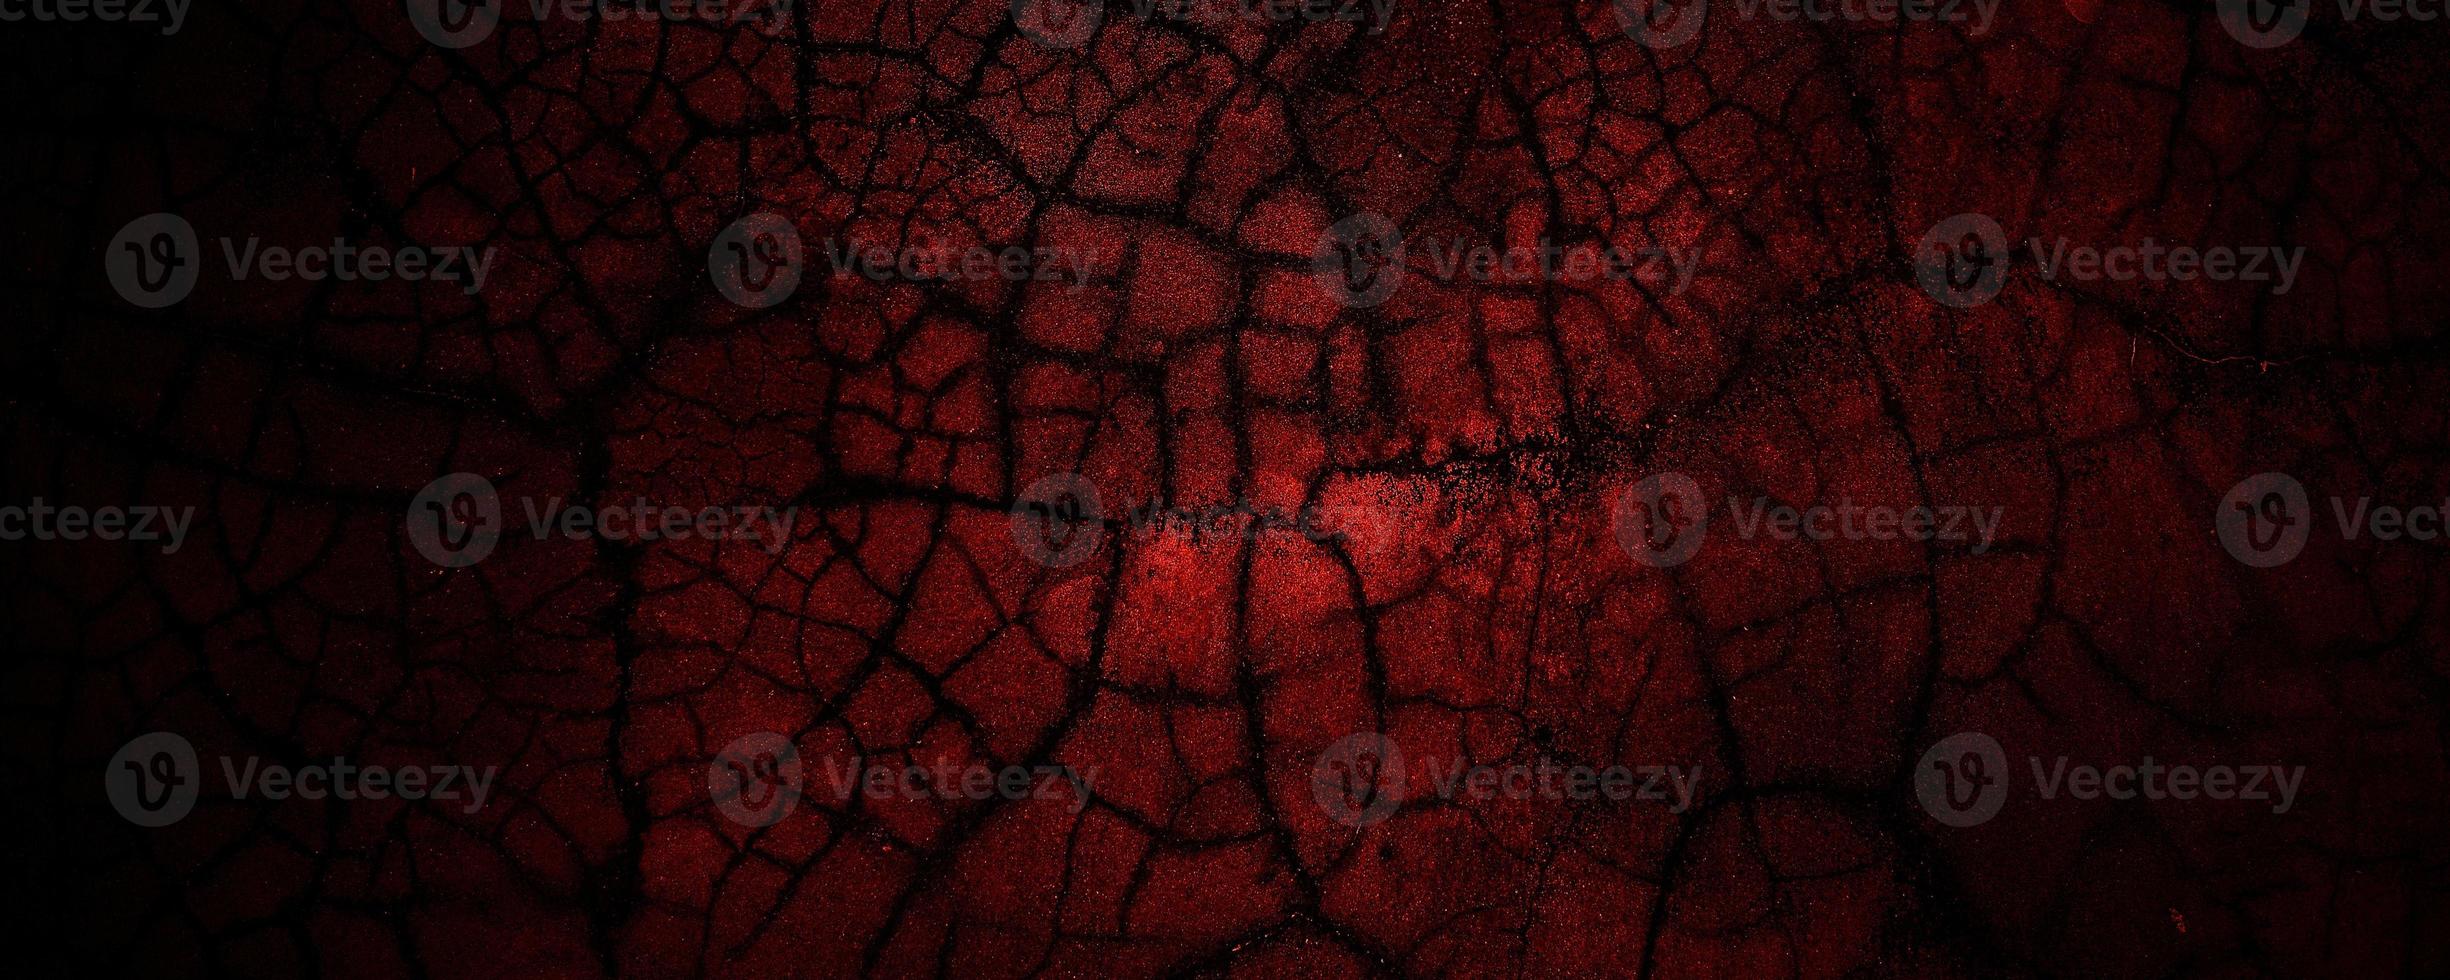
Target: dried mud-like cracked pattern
x,y
1478,436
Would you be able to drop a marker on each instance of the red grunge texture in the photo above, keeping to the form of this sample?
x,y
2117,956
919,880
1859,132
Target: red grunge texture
x,y
991,489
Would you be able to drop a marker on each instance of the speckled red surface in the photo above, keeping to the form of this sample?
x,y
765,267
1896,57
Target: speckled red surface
x,y
1476,437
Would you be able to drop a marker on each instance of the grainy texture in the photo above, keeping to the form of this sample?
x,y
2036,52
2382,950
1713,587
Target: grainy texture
x,y
1475,436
